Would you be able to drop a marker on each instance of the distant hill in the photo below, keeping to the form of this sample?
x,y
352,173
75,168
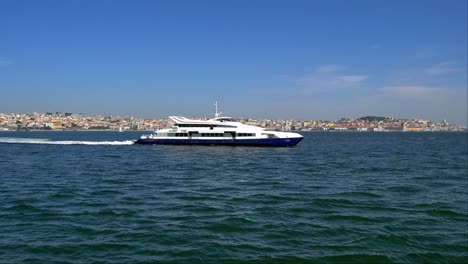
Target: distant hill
x,y
372,118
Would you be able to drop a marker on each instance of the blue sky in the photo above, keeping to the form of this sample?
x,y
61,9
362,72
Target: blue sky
x,y
266,59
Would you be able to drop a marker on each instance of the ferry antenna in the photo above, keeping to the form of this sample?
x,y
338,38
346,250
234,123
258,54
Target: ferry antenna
x,y
217,114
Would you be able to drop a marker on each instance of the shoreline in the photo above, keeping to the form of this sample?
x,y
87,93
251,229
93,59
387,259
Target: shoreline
x,y
77,130
296,131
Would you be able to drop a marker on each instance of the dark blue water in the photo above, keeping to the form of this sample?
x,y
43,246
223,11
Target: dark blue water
x,y
335,198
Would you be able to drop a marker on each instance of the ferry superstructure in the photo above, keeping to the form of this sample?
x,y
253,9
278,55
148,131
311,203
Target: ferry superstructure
x,y
218,131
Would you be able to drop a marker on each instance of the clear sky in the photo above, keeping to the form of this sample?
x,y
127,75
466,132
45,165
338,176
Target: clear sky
x,y
268,59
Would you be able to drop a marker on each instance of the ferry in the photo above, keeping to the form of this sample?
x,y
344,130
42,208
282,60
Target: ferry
x,y
218,131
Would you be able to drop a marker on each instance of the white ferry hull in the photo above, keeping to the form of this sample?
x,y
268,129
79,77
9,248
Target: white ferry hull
x,y
272,142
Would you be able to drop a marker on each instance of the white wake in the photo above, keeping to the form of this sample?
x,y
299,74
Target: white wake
x,y
65,142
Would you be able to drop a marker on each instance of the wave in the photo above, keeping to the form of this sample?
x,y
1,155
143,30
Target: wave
x,y
63,142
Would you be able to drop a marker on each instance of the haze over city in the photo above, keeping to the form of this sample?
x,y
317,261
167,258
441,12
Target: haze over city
x,y
259,59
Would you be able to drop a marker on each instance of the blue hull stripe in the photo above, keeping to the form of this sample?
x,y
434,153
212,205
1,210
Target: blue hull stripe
x,y
274,142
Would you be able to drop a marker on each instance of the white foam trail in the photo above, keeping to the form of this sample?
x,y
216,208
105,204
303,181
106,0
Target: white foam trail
x,y
67,142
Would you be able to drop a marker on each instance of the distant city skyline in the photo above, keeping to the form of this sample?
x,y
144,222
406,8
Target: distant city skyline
x,y
303,60
70,121
13,117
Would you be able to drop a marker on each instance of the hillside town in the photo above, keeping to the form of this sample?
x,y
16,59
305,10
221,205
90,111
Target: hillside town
x,y
71,121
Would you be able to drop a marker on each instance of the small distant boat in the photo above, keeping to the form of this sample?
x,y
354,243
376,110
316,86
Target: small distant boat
x,y
218,131
120,129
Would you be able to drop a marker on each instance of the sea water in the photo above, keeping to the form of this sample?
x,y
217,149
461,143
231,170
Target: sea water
x,y
337,197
